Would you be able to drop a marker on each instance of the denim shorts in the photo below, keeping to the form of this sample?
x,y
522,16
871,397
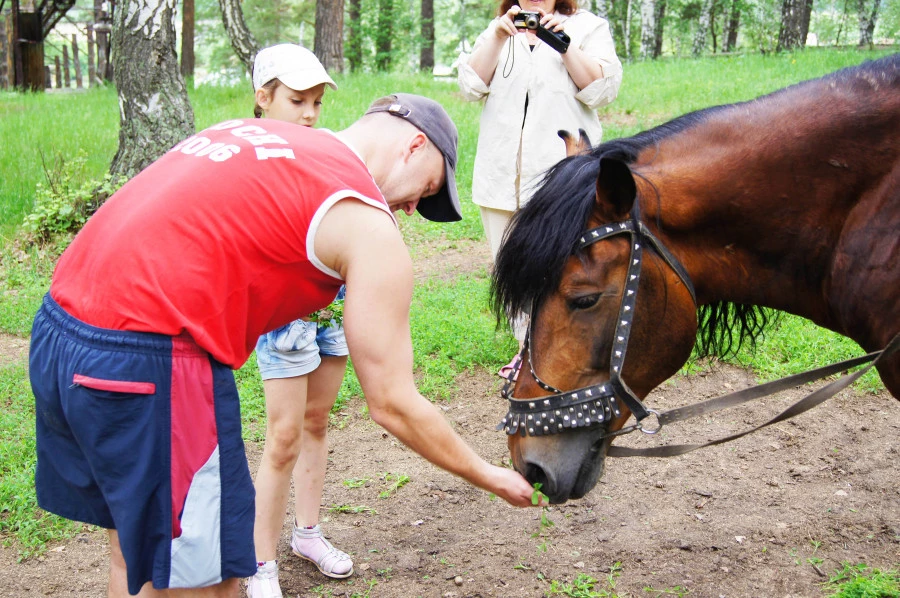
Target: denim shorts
x,y
295,349
141,433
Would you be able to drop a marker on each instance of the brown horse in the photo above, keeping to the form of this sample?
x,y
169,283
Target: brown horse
x,y
693,231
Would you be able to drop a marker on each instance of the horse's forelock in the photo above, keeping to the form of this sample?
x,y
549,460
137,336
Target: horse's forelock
x,y
542,235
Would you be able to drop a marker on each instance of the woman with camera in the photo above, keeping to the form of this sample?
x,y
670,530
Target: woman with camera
x,y
535,78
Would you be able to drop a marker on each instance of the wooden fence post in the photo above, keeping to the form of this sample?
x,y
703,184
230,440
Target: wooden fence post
x,y
5,50
76,61
92,73
66,79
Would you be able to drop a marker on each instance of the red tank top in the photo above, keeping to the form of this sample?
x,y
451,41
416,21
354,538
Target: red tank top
x,y
216,237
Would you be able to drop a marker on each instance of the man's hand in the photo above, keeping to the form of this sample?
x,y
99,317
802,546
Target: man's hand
x,y
514,489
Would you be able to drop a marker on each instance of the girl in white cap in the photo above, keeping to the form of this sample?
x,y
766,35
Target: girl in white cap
x,y
302,365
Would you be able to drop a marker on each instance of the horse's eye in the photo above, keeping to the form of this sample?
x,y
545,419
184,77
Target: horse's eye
x,y
585,302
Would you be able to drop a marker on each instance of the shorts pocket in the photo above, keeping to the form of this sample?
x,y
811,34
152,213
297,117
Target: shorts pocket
x,y
296,336
124,387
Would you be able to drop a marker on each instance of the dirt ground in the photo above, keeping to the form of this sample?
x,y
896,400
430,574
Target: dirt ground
x,y
772,514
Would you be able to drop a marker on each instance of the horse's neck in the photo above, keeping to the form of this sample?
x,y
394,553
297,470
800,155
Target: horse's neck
x,y
756,211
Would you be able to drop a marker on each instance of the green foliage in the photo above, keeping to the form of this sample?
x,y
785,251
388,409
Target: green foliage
x,y
585,586
65,201
33,125
330,316
253,400
453,330
862,581
24,279
794,344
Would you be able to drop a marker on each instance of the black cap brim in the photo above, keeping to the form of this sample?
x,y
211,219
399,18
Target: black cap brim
x,y
444,205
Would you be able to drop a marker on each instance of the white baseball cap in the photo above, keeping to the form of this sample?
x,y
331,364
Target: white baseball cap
x,y
293,65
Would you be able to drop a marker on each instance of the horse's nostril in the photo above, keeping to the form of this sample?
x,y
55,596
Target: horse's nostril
x,y
536,475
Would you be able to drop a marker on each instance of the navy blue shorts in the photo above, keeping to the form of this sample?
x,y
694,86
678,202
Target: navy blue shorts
x,y
141,433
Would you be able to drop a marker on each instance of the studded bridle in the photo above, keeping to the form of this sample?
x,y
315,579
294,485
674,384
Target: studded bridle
x,y
598,404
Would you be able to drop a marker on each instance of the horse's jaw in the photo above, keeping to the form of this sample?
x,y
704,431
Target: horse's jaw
x,y
567,466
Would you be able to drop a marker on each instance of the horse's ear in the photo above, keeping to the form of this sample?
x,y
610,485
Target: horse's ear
x,y
615,189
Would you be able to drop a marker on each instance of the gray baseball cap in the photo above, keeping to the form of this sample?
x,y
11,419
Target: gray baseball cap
x,y
430,117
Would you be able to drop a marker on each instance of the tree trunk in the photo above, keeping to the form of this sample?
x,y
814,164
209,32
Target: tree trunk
x,y
28,50
659,19
329,40
154,111
648,28
102,27
628,29
187,39
840,29
384,34
242,41
354,36
867,21
702,29
804,20
789,36
734,20
426,52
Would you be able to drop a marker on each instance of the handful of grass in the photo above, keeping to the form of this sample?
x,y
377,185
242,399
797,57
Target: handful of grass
x,y
333,315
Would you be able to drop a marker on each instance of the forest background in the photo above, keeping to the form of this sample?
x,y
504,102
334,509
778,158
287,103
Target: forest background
x,y
411,35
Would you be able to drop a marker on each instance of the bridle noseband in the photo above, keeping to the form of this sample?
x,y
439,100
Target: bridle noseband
x,y
597,404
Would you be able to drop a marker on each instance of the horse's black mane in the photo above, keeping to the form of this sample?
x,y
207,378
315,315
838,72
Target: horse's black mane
x,y
542,235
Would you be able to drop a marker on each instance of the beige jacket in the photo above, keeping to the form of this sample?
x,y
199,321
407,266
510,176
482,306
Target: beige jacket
x,y
554,103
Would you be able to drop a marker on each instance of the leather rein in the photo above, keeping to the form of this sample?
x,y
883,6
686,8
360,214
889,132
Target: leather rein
x,y
597,405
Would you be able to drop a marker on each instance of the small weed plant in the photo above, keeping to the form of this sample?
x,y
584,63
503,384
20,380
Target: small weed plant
x,y
66,199
862,581
395,481
355,482
352,509
585,586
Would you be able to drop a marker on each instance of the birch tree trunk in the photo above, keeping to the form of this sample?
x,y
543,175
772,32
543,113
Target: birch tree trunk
x,y
628,29
867,21
154,111
702,29
243,42
648,29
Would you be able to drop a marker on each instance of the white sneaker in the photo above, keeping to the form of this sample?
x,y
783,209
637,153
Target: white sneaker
x,y
265,583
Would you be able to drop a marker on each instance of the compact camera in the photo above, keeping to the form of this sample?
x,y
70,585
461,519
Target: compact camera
x,y
558,40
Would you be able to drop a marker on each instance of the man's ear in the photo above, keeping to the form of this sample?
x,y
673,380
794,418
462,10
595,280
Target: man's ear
x,y
418,142
262,98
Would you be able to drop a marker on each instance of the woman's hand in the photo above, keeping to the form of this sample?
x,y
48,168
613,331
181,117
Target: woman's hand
x,y
552,22
503,25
